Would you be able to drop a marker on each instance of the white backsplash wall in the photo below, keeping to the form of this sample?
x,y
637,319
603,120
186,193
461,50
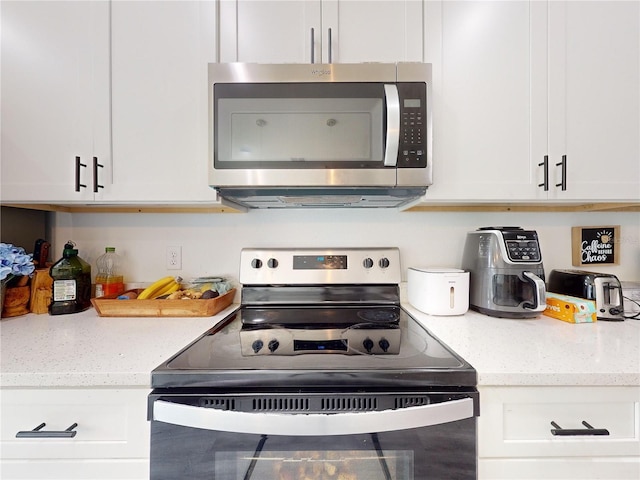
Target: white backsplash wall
x,y
211,243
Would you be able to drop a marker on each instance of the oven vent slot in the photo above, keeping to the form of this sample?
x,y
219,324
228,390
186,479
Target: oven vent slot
x,y
357,404
280,404
219,403
405,402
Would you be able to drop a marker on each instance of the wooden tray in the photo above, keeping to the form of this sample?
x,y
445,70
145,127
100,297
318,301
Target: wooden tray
x,y
112,307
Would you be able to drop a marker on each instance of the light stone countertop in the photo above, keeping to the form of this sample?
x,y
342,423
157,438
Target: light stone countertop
x,y
542,350
85,350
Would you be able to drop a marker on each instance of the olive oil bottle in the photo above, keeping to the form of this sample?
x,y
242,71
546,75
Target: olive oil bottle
x,y
71,283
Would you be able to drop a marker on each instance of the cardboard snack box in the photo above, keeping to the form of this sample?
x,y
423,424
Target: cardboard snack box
x,y
570,309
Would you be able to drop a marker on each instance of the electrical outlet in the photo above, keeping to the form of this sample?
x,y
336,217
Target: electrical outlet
x,y
174,258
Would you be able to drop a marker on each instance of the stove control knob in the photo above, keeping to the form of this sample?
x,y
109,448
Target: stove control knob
x,y
384,262
257,346
256,263
272,263
273,345
384,344
368,344
367,263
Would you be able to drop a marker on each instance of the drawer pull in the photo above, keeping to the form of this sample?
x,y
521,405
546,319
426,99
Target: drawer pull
x,y
39,433
569,432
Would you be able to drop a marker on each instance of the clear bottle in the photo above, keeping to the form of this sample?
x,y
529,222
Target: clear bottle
x,y
109,279
71,276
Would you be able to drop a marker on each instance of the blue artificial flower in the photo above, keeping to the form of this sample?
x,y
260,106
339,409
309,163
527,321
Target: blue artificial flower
x,y
14,261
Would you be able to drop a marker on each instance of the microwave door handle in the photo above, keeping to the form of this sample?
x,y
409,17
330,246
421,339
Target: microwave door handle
x,y
393,125
312,424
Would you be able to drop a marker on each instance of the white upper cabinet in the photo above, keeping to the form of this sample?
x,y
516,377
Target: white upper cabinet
x,y
321,31
483,57
107,101
160,52
372,31
594,99
55,101
524,91
257,31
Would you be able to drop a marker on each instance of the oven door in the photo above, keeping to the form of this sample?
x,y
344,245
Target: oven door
x,y
359,436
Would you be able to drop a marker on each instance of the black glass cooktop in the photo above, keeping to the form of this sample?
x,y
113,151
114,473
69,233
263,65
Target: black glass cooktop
x,y
382,349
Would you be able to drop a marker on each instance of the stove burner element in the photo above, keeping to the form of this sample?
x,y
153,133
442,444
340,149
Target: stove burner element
x,y
379,315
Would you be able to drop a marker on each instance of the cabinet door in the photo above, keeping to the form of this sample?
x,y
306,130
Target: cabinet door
x,y
160,52
372,31
111,440
279,31
55,99
321,31
594,99
515,439
484,54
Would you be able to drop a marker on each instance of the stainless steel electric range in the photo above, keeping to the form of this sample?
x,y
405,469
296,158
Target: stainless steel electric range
x,y
320,374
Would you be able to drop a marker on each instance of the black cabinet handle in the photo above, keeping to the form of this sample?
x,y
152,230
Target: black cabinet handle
x,y
329,43
563,181
39,433
313,47
545,182
572,432
96,165
78,165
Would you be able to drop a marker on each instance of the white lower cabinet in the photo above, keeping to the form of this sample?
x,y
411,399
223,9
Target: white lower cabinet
x,y
111,440
515,439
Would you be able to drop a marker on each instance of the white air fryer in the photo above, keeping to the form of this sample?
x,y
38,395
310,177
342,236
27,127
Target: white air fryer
x,y
506,272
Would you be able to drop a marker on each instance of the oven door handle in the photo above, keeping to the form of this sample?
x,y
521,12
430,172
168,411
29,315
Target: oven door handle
x,y
312,424
392,100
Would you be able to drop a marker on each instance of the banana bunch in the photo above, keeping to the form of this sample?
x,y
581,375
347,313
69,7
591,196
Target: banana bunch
x,y
188,294
164,286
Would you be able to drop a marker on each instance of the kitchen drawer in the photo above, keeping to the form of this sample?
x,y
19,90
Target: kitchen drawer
x,y
111,423
106,469
565,468
516,421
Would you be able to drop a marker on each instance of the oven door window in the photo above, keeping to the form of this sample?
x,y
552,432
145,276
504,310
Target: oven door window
x,y
430,453
299,125
367,460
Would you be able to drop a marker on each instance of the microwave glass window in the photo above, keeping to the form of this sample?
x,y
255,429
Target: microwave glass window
x,y
300,129
299,125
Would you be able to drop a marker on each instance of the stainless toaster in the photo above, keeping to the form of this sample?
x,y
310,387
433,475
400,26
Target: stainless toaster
x,y
605,289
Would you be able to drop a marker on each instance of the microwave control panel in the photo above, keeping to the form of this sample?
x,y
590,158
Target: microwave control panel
x,y
412,150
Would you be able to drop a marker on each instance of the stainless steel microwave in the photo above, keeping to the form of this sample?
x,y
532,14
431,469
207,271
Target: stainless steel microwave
x,y
320,135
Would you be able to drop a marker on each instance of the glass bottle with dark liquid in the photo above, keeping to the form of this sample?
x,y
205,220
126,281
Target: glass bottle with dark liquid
x,y
71,275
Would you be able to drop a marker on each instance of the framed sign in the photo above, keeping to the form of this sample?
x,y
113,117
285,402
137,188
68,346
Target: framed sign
x,y
595,245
